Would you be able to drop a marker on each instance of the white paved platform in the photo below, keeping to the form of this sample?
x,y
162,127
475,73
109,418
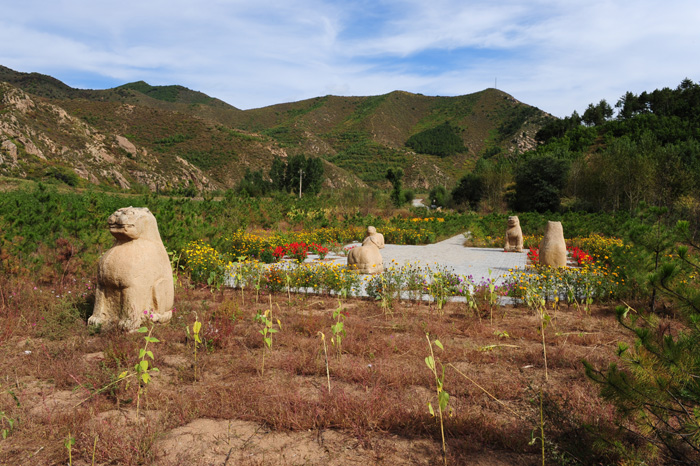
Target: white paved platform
x,y
452,254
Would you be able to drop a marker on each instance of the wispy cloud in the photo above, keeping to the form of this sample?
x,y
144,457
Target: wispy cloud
x,y
558,56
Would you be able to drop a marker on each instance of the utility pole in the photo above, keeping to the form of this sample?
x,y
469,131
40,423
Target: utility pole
x,y
301,173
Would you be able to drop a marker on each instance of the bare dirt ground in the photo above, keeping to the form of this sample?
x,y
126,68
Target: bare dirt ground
x,y
227,410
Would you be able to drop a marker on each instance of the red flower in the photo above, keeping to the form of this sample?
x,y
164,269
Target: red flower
x,y
534,255
278,253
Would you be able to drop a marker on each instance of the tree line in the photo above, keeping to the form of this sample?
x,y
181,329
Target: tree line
x,y
298,174
644,149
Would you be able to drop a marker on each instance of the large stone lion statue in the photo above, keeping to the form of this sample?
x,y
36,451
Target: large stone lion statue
x,y
553,246
514,235
367,258
134,277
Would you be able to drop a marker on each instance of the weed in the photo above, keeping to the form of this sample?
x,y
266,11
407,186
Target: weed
x,y
8,421
68,443
176,266
266,332
196,327
534,439
94,448
442,395
338,329
325,353
142,370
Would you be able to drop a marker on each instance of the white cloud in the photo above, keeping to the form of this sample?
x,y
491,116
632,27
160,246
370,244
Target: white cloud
x,y
558,56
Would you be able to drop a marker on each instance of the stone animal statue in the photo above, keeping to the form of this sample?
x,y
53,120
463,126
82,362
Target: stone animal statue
x,y
514,235
367,258
134,277
553,246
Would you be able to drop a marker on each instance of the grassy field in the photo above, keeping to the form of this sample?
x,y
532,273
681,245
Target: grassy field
x,y
363,401
341,380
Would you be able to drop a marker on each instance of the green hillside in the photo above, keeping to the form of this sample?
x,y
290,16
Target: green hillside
x,y
358,137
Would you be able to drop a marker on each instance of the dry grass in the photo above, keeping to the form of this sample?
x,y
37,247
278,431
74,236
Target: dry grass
x,y
375,413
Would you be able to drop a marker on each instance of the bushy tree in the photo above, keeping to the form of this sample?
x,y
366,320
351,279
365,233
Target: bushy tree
x,y
395,176
314,175
439,196
285,176
253,184
557,128
277,174
469,190
597,114
538,183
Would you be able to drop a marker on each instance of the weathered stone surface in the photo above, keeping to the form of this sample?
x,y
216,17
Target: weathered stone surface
x,y
135,274
8,152
514,235
553,246
367,258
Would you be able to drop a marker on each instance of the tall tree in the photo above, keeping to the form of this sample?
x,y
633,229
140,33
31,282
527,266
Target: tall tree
x,y
468,191
394,176
277,174
538,183
301,172
596,115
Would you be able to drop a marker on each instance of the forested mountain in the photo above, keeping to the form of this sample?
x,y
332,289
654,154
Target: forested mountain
x,y
170,127
645,149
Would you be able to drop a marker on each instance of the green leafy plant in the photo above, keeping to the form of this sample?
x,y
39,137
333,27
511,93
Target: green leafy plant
x,y
491,294
6,422
533,438
338,329
142,370
176,266
536,302
267,331
196,327
441,286
68,443
443,396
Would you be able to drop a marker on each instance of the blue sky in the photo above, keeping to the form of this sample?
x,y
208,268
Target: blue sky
x,y
556,55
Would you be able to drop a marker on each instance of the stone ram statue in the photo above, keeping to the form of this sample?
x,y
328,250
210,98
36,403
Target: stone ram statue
x,y
134,277
367,258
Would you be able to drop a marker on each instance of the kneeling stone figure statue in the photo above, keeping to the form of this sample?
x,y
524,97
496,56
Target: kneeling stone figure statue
x,y
134,277
367,258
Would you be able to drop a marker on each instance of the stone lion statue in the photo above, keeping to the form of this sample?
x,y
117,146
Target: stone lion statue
x,y
553,246
134,277
514,235
367,258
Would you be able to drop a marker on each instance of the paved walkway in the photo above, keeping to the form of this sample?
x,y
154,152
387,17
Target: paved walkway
x,y
452,254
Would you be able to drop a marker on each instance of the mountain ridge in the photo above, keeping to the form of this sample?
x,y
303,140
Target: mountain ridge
x,y
357,137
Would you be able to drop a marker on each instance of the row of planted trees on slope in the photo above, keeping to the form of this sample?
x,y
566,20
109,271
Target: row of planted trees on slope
x,y
298,174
